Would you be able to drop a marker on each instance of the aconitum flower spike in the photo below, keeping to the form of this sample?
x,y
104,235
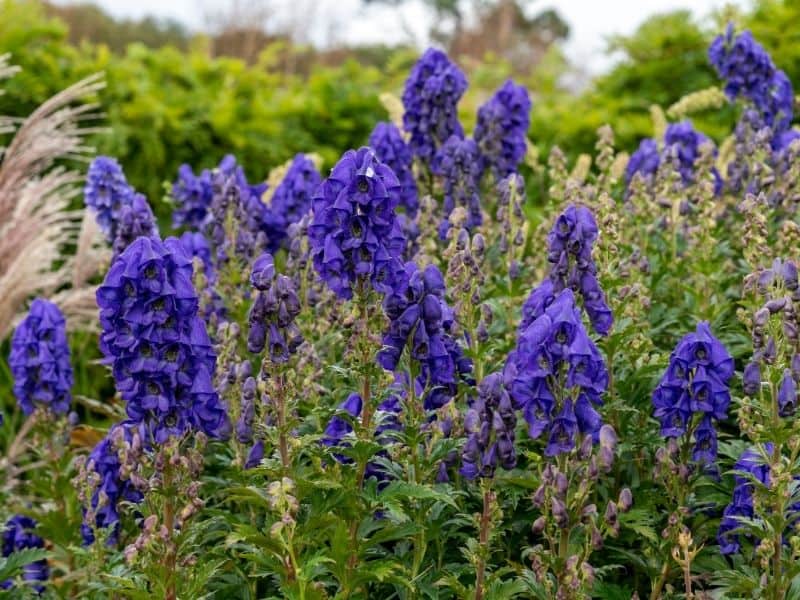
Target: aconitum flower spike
x,y
355,237
192,195
105,192
430,99
291,199
160,353
135,219
104,460
40,360
458,163
502,128
695,387
392,150
18,534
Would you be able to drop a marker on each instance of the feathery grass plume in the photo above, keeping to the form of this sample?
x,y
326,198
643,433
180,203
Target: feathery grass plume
x,y
36,223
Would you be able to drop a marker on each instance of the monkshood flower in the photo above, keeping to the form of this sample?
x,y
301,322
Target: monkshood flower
x,y
490,424
195,245
458,163
339,427
750,466
105,192
135,219
421,320
569,250
430,97
112,488
355,236
160,353
749,72
18,534
291,199
502,129
555,347
392,150
681,145
693,393
39,360
192,195
273,312
237,204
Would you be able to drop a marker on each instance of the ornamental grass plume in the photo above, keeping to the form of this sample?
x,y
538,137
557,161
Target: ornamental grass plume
x,y
36,222
40,360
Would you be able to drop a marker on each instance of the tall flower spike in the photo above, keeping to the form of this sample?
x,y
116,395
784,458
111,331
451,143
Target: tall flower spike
x,y
392,150
156,344
748,71
135,219
18,534
273,312
569,250
693,392
458,163
105,193
355,237
421,320
430,99
490,424
192,195
502,129
39,360
112,488
291,199
554,345
749,466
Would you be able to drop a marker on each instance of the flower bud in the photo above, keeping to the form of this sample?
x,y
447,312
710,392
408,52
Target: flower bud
x,y
625,500
539,525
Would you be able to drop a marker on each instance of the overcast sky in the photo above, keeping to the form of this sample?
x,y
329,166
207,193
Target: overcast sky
x,y
332,21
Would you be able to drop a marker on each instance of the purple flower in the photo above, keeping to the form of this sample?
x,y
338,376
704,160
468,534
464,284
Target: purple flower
x,y
458,163
192,195
392,150
749,72
291,199
18,534
273,312
787,394
39,360
135,219
105,192
355,237
695,387
156,344
502,129
645,160
422,322
555,342
255,456
750,467
104,461
490,424
570,243
430,98
339,427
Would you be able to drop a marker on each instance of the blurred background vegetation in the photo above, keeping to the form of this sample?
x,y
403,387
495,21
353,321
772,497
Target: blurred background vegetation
x,y
173,96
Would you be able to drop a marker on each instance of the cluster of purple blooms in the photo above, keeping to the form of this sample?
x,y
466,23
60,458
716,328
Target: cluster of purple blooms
x,y
112,489
502,128
694,392
490,424
18,534
273,312
39,360
244,424
458,162
355,237
391,149
291,199
556,375
421,320
682,144
158,347
569,251
748,71
233,195
431,95
192,195
122,213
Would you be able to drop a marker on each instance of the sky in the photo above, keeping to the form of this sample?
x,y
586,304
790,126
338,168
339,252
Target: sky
x,y
326,22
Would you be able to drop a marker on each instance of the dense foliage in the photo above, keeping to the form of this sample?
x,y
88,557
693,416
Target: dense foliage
x,y
403,378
